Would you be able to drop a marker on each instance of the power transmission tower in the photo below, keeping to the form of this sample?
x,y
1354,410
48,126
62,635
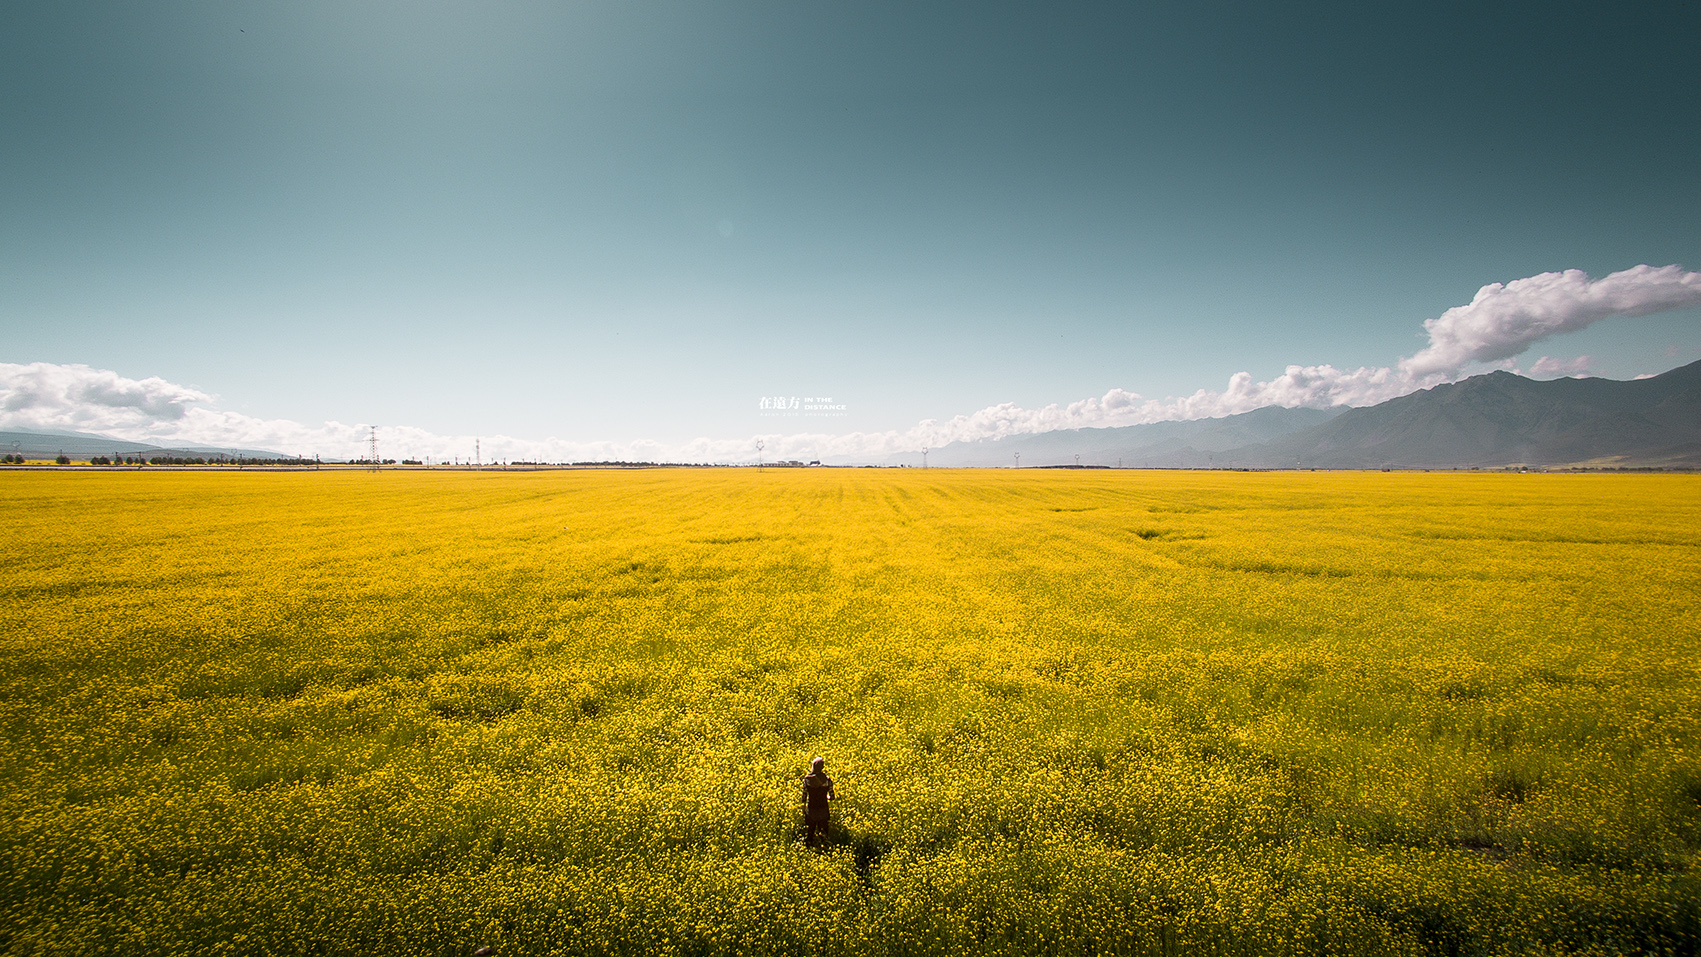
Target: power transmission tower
x,y
373,444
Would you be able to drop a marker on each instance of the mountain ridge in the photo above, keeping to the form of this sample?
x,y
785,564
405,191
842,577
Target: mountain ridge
x,y
1498,419
49,444
1504,419
1174,443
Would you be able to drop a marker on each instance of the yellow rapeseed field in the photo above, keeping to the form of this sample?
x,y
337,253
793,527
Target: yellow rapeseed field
x,y
1067,712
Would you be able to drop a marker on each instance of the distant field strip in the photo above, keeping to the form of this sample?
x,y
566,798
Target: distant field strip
x,y
1067,712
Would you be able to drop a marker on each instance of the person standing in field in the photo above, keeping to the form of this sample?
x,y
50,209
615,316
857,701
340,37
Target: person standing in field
x,y
817,792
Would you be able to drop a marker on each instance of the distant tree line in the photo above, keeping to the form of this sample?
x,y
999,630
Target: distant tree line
x,y
189,460
632,465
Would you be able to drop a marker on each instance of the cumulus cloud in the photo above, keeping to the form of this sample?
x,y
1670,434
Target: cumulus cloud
x,y
1504,319
1318,386
43,395
1500,323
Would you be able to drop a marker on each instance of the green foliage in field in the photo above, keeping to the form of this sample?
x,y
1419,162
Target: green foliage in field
x,y
1067,712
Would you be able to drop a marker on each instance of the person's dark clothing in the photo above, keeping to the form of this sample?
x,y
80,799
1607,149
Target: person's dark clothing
x,y
817,792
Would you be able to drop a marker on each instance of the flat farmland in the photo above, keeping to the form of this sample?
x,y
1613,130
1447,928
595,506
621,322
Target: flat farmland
x,y
1067,712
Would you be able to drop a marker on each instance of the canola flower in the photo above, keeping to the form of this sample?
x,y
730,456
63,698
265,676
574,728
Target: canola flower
x,y
1067,712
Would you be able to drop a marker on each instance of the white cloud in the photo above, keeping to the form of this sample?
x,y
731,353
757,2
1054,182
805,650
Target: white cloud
x,y
1319,386
1501,322
1505,319
42,395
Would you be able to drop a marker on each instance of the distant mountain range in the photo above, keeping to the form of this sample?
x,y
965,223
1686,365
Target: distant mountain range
x,y
1488,421
46,445
1189,444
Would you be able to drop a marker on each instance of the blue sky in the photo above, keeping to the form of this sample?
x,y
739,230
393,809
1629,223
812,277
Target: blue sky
x,y
614,222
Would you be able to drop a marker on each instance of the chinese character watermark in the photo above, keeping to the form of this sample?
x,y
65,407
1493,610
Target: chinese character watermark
x,y
800,405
